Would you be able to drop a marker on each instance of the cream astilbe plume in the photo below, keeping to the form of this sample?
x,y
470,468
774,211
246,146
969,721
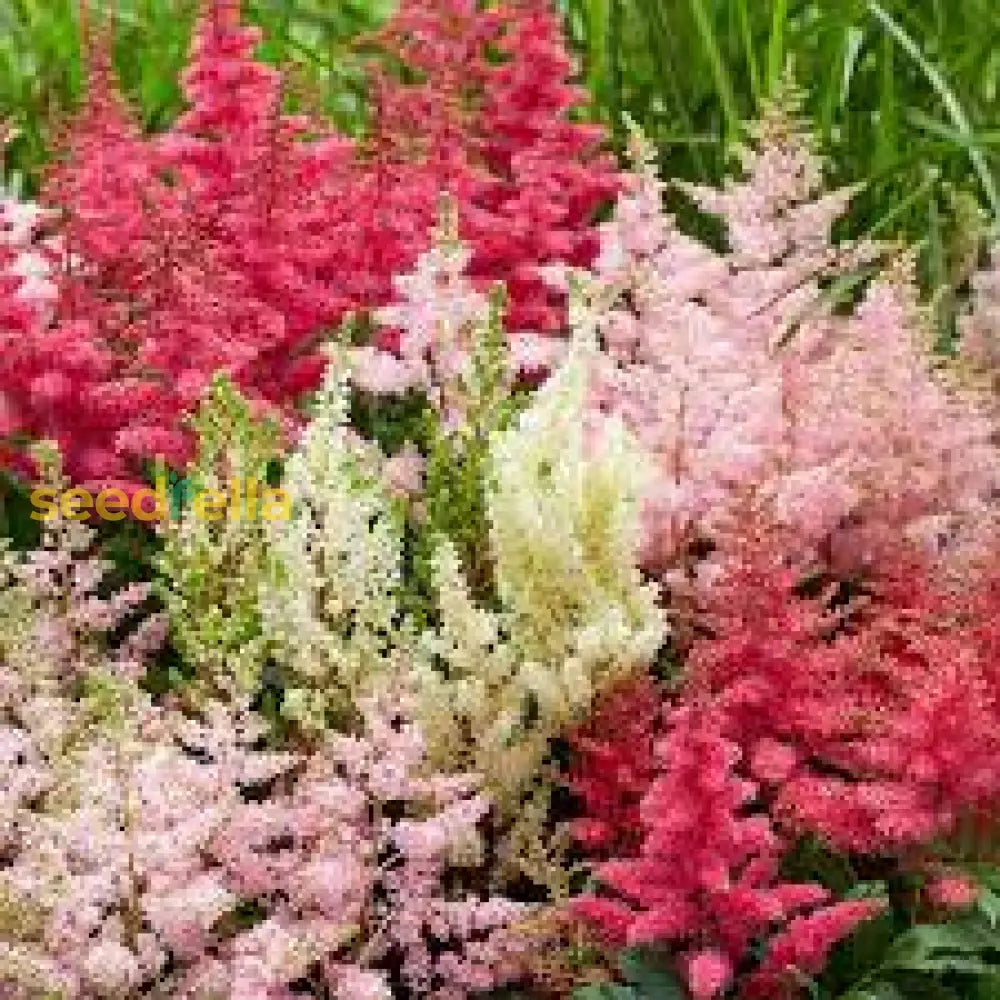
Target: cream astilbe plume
x,y
329,602
574,615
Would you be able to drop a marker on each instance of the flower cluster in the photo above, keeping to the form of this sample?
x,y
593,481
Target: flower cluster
x,y
872,728
345,752
751,383
237,239
145,850
563,509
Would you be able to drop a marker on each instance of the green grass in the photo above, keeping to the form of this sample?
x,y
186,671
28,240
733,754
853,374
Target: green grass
x,y
905,95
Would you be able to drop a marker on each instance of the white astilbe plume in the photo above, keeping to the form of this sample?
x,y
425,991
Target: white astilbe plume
x,y
563,500
329,603
563,505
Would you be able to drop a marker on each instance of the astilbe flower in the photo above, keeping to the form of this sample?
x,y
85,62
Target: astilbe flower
x,y
563,490
132,852
26,293
329,599
562,500
745,382
778,221
358,888
107,241
614,764
872,728
69,714
238,238
110,889
51,614
212,563
130,844
879,739
706,878
490,119
436,314
167,286
441,322
26,256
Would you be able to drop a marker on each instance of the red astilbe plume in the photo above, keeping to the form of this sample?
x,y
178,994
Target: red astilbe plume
x,y
879,739
264,181
45,365
528,180
239,238
188,253
614,765
706,879
875,727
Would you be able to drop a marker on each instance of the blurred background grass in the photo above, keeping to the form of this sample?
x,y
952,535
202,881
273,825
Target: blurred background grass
x,y
904,93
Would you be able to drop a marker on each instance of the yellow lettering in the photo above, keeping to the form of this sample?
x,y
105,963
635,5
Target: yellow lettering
x,y
115,496
68,504
43,498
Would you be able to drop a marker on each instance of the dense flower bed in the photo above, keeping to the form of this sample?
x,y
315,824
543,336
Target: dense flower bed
x,y
628,628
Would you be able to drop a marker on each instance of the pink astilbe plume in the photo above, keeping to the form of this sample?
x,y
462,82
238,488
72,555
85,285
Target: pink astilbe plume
x,y
133,837
350,864
747,385
111,877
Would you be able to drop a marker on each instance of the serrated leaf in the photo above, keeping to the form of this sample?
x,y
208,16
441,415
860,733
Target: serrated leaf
x,y
935,948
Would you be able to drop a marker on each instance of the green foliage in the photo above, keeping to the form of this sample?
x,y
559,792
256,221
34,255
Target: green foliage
x,y
210,570
646,978
904,96
16,522
457,459
956,959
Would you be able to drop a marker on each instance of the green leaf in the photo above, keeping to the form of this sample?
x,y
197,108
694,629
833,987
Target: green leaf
x,y
605,991
955,947
988,904
656,983
874,991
